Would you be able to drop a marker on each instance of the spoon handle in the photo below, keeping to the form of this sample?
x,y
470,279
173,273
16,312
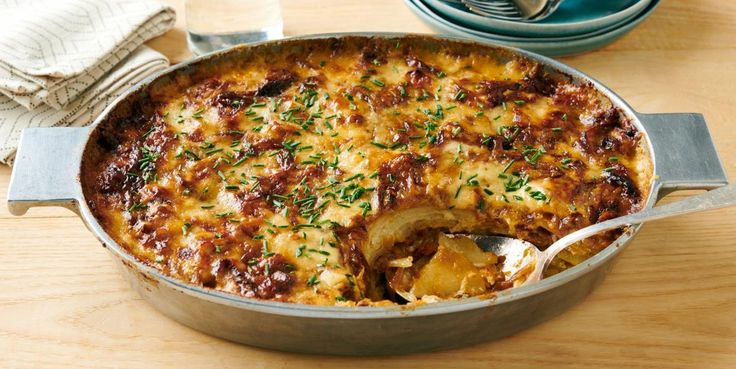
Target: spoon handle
x,y
719,198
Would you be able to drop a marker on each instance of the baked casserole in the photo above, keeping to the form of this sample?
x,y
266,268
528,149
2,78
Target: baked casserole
x,y
329,171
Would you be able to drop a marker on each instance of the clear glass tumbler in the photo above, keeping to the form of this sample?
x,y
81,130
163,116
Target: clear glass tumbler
x,y
217,24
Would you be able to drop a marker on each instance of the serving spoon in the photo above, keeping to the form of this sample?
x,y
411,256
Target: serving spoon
x,y
525,263
512,10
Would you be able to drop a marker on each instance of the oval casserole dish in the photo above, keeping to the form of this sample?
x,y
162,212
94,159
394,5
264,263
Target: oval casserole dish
x,y
243,188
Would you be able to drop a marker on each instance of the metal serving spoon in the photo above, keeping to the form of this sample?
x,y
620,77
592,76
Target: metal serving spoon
x,y
525,263
513,10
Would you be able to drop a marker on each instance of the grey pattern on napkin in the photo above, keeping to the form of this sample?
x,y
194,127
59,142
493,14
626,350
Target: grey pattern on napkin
x,y
63,61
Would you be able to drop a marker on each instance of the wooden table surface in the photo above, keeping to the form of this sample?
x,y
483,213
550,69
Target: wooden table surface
x,y
670,302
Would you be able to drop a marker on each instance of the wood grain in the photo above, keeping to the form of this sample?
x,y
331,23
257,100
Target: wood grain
x,y
669,303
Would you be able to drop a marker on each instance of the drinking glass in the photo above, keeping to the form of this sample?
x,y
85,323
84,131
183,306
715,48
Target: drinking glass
x,y
217,24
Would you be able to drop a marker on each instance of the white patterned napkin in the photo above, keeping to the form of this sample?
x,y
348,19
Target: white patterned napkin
x,y
63,61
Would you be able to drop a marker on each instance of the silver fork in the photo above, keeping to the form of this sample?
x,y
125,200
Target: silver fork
x,y
515,10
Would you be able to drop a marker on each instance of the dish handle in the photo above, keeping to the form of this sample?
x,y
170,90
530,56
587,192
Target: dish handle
x,y
46,169
684,153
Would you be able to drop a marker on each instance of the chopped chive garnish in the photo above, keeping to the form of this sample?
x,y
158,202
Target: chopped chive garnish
x,y
137,206
538,195
366,206
531,154
213,151
241,161
148,133
508,165
321,252
312,280
472,180
198,113
300,250
190,155
514,183
354,176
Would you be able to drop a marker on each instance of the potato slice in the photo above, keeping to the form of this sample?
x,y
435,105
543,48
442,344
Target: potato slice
x,y
470,249
333,279
448,274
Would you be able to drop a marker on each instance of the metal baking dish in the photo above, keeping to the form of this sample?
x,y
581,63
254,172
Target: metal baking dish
x,y
47,172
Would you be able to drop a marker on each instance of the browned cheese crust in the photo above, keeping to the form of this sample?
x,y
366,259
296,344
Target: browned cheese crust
x,y
300,172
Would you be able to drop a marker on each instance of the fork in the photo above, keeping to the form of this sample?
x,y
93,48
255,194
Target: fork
x,y
515,10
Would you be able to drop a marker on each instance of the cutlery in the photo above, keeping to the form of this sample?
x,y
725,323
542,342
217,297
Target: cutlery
x,y
515,10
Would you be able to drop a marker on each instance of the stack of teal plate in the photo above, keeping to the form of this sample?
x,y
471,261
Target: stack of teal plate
x,y
577,26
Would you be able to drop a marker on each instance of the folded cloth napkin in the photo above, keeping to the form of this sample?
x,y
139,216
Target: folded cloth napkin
x,y
62,62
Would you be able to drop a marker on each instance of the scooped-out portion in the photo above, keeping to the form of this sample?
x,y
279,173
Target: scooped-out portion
x,y
329,171
442,267
417,261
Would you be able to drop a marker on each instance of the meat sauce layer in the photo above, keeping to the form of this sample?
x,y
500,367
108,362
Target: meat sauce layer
x,y
265,174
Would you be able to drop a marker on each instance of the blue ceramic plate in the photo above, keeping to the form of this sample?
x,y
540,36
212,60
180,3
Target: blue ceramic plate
x,y
572,18
558,46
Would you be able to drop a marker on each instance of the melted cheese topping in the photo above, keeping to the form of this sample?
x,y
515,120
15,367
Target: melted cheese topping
x,y
302,172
